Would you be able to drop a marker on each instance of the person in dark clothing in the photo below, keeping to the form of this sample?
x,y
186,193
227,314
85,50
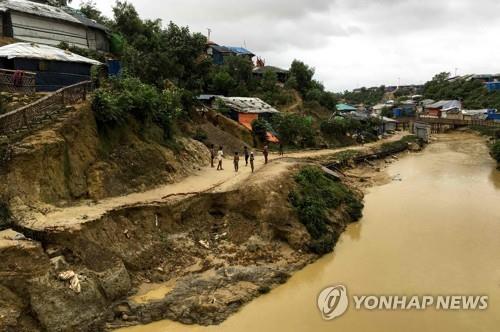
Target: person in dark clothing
x,y
252,159
212,155
281,150
236,161
266,153
247,155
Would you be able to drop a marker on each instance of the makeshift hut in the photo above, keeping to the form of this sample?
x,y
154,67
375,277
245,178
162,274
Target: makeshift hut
x,y
31,21
246,110
54,68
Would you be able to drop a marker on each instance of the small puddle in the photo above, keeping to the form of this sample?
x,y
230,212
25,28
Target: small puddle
x,y
153,292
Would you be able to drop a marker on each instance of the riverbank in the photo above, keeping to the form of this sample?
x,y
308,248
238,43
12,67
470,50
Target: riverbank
x,y
430,229
193,257
287,254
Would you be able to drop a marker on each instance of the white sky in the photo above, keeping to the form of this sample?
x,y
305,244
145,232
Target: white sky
x,y
351,43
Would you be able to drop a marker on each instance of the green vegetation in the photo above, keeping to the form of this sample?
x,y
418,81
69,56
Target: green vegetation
x,y
301,79
473,93
495,151
260,128
294,129
315,196
122,98
364,96
339,126
344,157
168,64
487,131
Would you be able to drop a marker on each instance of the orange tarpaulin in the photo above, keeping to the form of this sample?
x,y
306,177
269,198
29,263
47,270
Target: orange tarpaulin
x,y
246,120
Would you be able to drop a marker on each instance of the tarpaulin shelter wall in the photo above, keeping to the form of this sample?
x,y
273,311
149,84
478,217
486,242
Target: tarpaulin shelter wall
x,y
246,119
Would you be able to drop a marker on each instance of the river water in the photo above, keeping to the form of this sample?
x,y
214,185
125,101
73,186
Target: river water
x,y
436,232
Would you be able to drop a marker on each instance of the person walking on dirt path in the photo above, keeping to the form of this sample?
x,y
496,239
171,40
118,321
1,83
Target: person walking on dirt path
x,y
220,156
247,155
281,150
266,153
212,155
252,159
236,162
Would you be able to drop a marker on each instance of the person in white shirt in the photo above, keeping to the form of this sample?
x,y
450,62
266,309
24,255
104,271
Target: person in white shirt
x,y
220,157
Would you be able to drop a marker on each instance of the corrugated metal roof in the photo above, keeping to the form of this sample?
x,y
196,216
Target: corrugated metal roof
x,y
84,19
248,105
43,52
39,9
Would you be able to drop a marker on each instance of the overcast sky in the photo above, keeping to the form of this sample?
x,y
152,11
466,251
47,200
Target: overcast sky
x,y
351,43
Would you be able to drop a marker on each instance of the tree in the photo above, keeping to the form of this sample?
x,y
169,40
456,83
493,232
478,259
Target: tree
x,y
223,83
302,74
89,9
294,129
156,54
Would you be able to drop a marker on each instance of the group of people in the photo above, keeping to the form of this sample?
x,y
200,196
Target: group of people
x,y
248,155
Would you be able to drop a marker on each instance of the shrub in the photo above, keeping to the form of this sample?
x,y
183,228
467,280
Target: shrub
x,y
105,107
200,135
315,195
495,151
125,97
260,128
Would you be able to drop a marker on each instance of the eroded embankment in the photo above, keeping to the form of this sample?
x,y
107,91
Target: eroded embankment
x,y
221,249
74,161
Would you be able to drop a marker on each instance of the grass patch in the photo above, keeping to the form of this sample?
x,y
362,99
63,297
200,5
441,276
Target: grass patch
x,y
344,157
315,195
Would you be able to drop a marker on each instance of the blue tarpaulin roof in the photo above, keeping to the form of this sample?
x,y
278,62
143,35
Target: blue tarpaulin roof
x,y
240,50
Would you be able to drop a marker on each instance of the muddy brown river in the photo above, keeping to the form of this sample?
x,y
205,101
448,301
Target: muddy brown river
x,y
435,232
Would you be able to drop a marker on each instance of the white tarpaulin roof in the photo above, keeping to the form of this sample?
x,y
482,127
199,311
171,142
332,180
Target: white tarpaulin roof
x,y
446,105
248,105
42,52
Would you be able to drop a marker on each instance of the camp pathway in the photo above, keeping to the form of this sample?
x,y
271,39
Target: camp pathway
x,y
206,179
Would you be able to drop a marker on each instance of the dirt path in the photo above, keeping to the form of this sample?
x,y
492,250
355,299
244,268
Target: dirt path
x,y
205,180
298,102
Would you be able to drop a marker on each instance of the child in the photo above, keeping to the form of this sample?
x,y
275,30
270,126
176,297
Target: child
x,y
247,155
220,156
252,158
212,155
236,161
